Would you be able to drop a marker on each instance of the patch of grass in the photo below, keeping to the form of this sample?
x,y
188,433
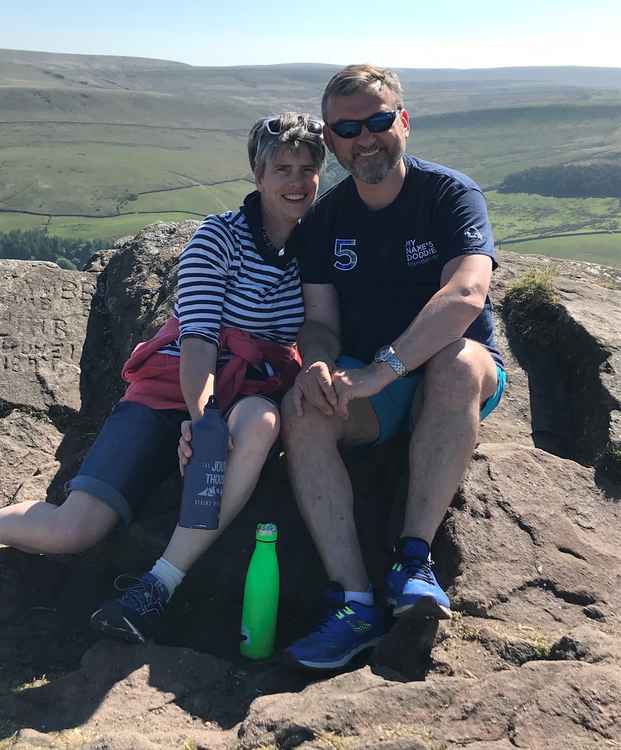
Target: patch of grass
x,y
531,307
533,288
34,683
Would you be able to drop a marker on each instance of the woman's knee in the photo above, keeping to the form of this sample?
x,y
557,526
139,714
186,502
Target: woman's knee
x,y
254,422
80,522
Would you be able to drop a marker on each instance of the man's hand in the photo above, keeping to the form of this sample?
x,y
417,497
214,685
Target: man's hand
x,y
314,383
359,383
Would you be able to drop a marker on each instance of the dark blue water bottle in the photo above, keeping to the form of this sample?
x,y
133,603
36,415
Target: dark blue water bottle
x,y
203,479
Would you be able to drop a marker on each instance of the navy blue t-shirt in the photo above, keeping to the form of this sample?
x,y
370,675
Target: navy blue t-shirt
x,y
386,264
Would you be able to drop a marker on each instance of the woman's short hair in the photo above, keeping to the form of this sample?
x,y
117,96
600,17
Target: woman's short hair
x,y
290,130
355,78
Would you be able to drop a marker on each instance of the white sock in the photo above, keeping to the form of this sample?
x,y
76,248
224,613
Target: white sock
x,y
362,597
168,574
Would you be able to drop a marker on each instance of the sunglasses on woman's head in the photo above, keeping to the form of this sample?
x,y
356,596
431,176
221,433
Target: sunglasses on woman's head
x,y
380,122
273,125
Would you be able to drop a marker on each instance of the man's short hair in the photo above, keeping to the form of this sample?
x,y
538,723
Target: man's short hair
x,y
293,126
355,78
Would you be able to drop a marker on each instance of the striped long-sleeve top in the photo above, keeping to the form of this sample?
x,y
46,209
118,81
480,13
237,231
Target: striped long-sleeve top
x,y
223,280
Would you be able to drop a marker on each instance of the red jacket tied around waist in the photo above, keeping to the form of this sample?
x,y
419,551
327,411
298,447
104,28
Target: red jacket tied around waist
x,y
154,378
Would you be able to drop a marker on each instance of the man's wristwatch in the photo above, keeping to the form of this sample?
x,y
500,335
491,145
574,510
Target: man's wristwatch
x,y
389,356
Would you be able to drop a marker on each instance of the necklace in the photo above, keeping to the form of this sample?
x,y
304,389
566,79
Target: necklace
x,y
271,246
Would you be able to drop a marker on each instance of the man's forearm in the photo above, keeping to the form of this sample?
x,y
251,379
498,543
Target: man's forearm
x,y
197,369
443,320
318,343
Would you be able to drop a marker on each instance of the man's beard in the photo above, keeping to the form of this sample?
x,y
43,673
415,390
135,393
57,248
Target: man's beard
x,y
373,169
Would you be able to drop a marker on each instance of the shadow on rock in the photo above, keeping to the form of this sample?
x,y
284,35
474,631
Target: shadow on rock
x,y
404,654
117,683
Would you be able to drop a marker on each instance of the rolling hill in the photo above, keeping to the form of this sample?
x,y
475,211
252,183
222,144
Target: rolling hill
x,y
96,146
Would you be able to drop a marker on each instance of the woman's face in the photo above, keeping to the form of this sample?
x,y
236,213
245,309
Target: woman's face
x,y
289,184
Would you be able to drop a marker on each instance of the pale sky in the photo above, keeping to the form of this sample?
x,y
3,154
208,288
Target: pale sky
x,y
397,33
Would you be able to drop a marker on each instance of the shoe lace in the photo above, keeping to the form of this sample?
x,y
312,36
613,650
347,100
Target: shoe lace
x,y
419,569
138,594
326,623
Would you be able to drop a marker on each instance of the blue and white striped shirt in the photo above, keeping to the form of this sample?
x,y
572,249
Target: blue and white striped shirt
x,y
224,281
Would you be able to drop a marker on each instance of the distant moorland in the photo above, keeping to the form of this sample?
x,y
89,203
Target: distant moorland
x,y
93,147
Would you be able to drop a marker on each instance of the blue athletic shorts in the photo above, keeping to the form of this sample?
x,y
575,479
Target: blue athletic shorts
x,y
392,405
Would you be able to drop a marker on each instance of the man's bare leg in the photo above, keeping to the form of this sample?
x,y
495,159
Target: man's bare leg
x,y
40,527
322,485
457,381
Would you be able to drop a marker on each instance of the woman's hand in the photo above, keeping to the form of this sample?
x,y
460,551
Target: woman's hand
x,y
184,451
314,383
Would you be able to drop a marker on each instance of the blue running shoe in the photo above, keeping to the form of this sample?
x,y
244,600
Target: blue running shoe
x,y
411,585
134,616
347,629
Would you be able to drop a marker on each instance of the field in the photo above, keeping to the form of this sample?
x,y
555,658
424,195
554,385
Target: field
x,y
95,148
600,248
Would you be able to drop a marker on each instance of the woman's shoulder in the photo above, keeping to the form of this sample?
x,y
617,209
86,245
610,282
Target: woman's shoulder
x,y
223,229
229,220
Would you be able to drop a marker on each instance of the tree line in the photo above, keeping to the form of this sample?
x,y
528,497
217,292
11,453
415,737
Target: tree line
x,y
36,244
601,180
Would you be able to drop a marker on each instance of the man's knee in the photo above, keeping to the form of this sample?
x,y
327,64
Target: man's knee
x,y
310,425
455,374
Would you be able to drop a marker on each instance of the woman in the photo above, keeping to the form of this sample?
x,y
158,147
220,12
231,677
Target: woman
x,y
235,275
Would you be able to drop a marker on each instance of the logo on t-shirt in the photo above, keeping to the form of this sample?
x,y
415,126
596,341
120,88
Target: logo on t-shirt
x,y
417,253
344,249
473,234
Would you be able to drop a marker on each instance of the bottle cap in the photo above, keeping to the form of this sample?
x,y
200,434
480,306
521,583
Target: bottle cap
x,y
267,532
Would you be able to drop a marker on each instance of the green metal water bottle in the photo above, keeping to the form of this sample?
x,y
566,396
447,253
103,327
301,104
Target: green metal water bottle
x,y
260,609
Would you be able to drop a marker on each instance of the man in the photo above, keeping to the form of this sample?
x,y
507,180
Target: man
x,y
396,263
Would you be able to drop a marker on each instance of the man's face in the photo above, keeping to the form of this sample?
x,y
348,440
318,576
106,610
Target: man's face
x,y
369,157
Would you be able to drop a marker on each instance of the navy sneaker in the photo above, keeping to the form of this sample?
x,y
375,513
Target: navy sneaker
x,y
411,585
134,616
347,629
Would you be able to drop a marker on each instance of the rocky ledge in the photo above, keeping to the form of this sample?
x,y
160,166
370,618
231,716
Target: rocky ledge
x,y
529,550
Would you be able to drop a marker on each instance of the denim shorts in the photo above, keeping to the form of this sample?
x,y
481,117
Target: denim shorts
x,y
393,404
134,452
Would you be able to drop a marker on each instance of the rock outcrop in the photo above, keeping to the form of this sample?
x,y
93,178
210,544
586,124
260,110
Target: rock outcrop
x,y
529,550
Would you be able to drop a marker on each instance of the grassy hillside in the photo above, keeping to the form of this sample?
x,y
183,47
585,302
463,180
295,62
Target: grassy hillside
x,y
95,147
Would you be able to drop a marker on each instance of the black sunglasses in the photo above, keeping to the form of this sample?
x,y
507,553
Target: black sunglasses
x,y
273,125
380,122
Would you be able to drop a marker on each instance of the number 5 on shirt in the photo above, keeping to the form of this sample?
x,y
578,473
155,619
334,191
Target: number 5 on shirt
x,y
344,249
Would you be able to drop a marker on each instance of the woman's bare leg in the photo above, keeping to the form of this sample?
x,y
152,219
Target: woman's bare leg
x,y
40,527
254,423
